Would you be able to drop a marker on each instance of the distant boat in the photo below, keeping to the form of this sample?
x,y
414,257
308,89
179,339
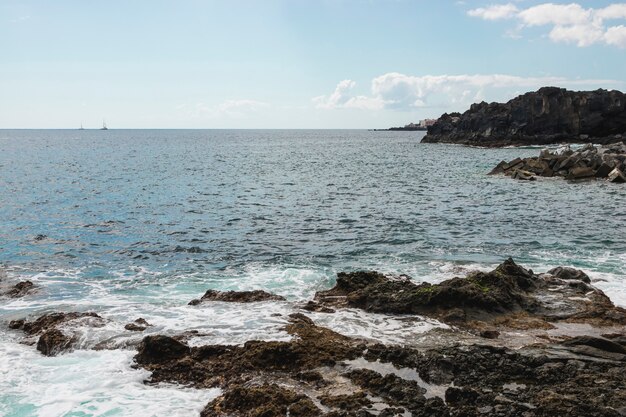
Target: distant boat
x,y
81,126
104,126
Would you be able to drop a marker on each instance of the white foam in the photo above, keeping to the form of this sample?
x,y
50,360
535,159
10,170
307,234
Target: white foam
x,y
88,383
382,328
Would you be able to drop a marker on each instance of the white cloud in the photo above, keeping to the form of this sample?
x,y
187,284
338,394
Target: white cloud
x,y
616,36
496,12
570,23
341,98
403,92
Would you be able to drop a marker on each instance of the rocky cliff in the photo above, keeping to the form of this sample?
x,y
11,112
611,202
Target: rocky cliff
x,y
549,115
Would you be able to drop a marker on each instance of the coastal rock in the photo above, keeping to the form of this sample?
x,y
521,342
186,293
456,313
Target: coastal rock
x,y
549,115
586,163
261,401
52,320
138,325
20,289
52,342
568,273
237,297
617,176
509,294
56,331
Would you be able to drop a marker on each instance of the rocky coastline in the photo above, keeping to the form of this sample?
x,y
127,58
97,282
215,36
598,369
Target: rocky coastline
x,y
590,162
548,116
517,343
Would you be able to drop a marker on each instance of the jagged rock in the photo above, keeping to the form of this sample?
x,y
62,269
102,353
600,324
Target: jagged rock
x,y
160,349
518,174
549,115
237,296
616,176
484,296
20,289
138,325
52,342
585,163
49,321
604,170
568,273
261,401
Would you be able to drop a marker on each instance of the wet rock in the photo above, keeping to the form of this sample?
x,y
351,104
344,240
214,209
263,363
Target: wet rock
x,y
52,342
52,320
508,295
138,325
549,115
237,296
160,349
596,342
461,395
20,289
261,401
504,289
568,273
490,334
518,174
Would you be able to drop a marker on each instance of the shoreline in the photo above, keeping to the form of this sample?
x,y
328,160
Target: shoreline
x,y
329,374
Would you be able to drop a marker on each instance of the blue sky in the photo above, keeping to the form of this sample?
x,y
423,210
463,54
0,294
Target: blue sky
x,y
293,63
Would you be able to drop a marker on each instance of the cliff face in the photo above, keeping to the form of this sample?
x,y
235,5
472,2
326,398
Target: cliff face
x,y
549,115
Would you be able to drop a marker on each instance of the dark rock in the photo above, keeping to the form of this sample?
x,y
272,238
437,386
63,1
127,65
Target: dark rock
x,y
160,349
237,296
20,289
457,396
568,273
596,342
604,170
261,401
549,115
49,321
138,325
490,334
504,289
52,342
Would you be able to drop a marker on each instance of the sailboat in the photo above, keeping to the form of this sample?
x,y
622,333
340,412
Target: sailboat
x,y
81,126
104,126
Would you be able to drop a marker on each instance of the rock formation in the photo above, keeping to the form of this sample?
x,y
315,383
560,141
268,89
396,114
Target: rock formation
x,y
549,115
237,297
590,162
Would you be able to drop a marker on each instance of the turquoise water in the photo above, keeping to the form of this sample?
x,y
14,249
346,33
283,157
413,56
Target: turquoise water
x,y
134,223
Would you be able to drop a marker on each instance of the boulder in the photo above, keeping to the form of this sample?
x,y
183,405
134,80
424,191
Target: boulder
x,y
603,171
518,174
616,176
160,349
20,289
581,173
567,273
52,342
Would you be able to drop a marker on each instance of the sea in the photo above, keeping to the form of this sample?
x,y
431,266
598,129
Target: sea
x,y
136,223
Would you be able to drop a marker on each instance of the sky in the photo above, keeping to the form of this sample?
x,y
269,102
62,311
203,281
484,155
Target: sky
x,y
293,63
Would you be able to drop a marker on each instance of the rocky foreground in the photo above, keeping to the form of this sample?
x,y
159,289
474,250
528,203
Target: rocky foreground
x,y
547,116
518,344
602,162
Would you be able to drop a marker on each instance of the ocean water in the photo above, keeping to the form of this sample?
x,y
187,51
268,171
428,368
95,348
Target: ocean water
x,y
136,223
